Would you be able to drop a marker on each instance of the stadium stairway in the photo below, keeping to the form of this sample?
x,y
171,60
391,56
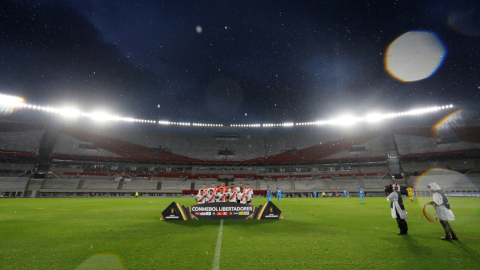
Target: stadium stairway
x,y
120,185
80,184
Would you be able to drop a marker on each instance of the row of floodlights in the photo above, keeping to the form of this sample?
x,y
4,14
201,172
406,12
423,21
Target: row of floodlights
x,y
206,125
278,125
12,102
73,113
348,120
168,123
246,125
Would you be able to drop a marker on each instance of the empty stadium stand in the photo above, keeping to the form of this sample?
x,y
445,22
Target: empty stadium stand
x,y
156,162
20,137
140,185
13,184
100,184
175,185
186,148
60,184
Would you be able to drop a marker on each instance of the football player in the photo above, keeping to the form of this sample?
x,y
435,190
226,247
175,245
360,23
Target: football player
x,y
232,194
210,196
201,197
213,188
249,193
241,196
204,189
361,193
222,186
239,187
221,196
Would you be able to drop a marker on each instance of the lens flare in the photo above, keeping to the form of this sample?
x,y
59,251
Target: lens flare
x,y
449,181
465,22
414,56
446,122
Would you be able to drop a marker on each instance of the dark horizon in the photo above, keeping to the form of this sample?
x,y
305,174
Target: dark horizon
x,y
251,62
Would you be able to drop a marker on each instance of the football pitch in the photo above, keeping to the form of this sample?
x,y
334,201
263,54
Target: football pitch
x,y
120,233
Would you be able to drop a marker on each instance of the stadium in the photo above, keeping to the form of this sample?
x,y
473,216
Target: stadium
x,y
84,185
52,163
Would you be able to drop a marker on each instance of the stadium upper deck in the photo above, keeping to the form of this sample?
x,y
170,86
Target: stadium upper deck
x,y
81,141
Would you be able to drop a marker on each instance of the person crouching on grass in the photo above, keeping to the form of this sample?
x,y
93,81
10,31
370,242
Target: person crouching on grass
x,y
232,194
210,196
221,196
397,208
444,214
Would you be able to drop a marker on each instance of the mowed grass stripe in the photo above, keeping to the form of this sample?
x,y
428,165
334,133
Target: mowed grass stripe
x,y
323,232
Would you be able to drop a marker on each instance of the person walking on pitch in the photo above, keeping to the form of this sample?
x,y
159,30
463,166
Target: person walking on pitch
x,y
323,194
397,208
315,193
279,194
413,192
345,193
444,213
361,193
410,193
269,194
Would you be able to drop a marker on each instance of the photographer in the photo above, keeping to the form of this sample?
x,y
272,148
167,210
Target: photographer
x,y
442,207
397,207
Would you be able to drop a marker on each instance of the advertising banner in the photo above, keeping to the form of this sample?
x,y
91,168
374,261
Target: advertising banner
x,y
224,210
463,194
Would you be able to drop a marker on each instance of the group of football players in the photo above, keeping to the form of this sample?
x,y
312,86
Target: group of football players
x,y
224,194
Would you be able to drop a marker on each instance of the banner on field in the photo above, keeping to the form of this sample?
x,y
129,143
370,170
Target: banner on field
x,y
269,211
226,210
175,211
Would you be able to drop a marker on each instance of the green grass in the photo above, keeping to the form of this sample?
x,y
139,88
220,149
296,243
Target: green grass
x,y
315,233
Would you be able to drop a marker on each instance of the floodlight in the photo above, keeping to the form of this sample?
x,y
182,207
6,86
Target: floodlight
x,y
346,120
374,117
69,112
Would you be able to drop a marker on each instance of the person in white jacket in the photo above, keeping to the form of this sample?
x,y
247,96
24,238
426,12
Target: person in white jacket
x,y
397,208
444,213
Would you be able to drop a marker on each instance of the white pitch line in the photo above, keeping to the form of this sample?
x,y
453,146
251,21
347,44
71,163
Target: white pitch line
x,y
216,258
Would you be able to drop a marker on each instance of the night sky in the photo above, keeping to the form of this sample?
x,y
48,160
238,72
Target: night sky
x,y
252,61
